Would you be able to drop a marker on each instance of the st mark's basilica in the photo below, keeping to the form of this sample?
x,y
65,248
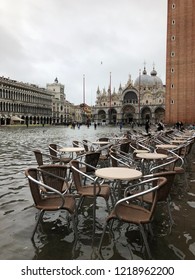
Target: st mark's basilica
x,y
136,102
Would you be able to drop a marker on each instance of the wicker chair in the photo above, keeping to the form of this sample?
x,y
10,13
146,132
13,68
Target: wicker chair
x,y
90,160
43,203
44,158
163,193
92,189
129,210
57,157
57,176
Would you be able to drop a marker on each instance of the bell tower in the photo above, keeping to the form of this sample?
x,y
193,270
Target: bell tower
x,y
180,62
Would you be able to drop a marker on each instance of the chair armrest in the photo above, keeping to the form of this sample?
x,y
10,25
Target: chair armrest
x,y
39,183
82,173
56,176
140,183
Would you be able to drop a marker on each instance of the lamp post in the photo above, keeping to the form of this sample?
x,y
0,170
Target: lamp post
x,y
139,95
110,117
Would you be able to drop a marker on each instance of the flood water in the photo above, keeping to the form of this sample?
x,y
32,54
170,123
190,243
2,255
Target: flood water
x,y
55,238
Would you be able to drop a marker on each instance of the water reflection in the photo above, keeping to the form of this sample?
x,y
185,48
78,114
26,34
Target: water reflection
x,y
55,239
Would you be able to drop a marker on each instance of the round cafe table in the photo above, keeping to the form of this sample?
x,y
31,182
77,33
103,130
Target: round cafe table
x,y
117,175
166,146
137,151
101,142
151,156
178,141
150,159
71,150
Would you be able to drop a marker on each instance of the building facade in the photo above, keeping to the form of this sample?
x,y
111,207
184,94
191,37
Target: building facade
x,y
133,103
180,62
29,104
24,102
58,102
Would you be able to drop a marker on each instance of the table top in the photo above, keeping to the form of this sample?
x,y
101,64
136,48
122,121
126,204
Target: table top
x,y
183,138
140,151
101,142
72,149
178,141
151,156
166,146
118,173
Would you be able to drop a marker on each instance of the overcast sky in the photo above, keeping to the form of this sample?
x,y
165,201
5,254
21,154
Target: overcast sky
x,y
45,39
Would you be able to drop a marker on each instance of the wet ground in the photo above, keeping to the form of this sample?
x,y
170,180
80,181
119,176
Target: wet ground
x,y
55,239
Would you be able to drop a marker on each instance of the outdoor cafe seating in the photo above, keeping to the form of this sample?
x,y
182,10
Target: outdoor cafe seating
x,y
47,198
128,199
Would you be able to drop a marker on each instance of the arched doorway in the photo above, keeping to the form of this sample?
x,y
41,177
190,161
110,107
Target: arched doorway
x,y
101,116
146,114
159,115
112,115
128,114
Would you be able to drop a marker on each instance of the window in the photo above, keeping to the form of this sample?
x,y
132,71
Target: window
x,y
172,85
172,101
172,54
173,38
172,70
173,22
173,6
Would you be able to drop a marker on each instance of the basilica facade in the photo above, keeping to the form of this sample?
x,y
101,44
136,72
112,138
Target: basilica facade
x,y
136,102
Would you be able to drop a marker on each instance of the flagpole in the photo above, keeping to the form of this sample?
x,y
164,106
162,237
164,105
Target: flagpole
x,y
110,92
84,89
139,94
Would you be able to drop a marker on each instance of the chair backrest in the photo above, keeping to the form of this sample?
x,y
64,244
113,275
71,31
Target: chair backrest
x,y
78,144
167,165
38,156
55,175
91,158
113,157
125,147
155,184
53,150
164,191
35,188
75,143
106,139
86,147
76,176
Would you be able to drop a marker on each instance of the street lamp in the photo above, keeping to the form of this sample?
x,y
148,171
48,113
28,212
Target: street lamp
x,y
139,94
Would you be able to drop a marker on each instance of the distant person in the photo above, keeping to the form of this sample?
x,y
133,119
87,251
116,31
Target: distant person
x,y
147,126
121,126
160,126
95,125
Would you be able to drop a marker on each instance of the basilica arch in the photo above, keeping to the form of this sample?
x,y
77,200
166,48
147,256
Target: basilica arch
x,y
146,114
128,114
101,115
112,115
159,114
130,97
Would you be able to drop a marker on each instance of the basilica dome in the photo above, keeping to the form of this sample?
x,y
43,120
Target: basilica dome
x,y
148,81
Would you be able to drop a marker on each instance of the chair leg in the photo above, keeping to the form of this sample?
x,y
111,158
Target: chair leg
x,y
108,207
145,240
170,214
38,220
102,237
186,181
74,223
80,202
